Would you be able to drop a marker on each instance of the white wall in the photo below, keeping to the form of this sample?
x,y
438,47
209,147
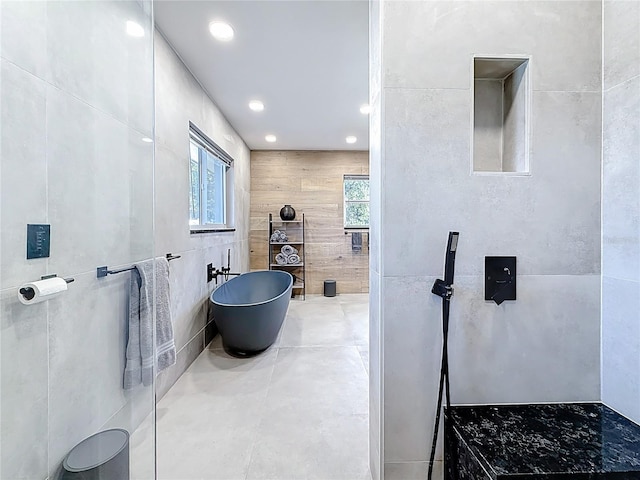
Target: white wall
x,y
621,208
544,346
179,100
77,98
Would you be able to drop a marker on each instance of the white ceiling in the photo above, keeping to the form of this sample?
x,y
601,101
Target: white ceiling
x,y
307,60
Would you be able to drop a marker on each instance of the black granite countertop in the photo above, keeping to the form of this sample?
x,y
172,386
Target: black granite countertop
x,y
550,440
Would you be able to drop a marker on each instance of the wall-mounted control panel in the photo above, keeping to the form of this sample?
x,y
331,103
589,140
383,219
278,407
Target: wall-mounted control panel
x,y
499,279
38,240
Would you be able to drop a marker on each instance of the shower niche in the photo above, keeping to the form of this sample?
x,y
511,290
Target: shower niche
x,y
501,99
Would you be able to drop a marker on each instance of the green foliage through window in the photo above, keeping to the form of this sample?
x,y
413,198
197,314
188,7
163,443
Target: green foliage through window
x,y
356,201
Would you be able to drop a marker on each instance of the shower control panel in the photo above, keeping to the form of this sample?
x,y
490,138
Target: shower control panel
x,y
499,279
38,240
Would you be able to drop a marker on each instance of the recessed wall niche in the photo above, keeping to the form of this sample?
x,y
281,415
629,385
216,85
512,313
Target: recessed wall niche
x,y
500,115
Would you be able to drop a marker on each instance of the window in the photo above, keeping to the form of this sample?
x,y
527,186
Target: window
x,y
209,176
356,201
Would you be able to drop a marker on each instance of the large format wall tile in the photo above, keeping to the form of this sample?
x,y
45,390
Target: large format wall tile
x,y
550,219
429,154
375,375
498,354
24,36
24,381
621,49
134,414
547,342
140,167
180,100
376,184
90,220
621,346
445,35
23,164
376,180
621,208
91,56
562,222
87,342
412,342
621,181
542,347
172,202
188,296
77,99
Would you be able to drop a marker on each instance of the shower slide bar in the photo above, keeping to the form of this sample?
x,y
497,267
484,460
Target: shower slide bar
x,y
104,271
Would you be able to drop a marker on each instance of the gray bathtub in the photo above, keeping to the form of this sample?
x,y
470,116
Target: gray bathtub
x,y
249,310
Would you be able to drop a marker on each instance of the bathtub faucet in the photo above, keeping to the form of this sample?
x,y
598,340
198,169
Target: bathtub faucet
x,y
226,271
213,273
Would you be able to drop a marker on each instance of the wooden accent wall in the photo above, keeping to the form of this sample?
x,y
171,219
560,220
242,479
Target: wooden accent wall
x,y
311,182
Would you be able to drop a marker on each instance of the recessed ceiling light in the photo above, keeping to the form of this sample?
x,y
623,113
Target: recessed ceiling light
x,y
365,109
270,138
221,31
134,29
351,139
147,140
256,105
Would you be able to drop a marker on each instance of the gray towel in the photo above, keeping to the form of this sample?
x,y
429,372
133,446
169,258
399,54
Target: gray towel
x,y
279,236
288,250
356,241
281,259
140,361
293,258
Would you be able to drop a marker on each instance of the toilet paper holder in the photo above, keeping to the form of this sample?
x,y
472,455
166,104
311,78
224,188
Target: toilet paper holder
x,y
28,293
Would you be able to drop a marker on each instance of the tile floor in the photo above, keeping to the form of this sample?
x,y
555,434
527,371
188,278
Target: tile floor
x,y
298,411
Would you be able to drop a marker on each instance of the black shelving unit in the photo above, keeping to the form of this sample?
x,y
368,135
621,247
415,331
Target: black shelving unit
x,y
295,233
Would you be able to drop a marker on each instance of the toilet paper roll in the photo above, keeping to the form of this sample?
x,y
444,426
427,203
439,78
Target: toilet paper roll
x,y
36,292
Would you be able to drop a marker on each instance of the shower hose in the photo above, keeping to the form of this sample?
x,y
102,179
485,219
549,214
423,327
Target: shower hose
x,y
444,289
444,381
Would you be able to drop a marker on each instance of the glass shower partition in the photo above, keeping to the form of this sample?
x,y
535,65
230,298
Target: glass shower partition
x,y
77,120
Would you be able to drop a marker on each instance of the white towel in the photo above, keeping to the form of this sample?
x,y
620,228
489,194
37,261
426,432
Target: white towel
x,y
293,258
140,359
281,259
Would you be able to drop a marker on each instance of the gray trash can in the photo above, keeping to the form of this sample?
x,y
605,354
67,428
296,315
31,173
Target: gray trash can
x,y
329,288
102,456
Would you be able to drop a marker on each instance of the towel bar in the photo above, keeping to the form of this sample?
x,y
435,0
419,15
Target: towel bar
x,y
104,271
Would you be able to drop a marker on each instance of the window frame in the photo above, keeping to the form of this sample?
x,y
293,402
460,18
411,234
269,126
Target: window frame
x,y
207,151
346,202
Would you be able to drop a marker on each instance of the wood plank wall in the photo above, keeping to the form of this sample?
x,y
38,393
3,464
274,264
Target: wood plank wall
x,y
311,182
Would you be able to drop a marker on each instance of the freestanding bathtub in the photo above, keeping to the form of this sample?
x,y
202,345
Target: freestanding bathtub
x,y
249,310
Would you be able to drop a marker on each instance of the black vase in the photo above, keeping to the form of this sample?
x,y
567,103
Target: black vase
x,y
287,213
